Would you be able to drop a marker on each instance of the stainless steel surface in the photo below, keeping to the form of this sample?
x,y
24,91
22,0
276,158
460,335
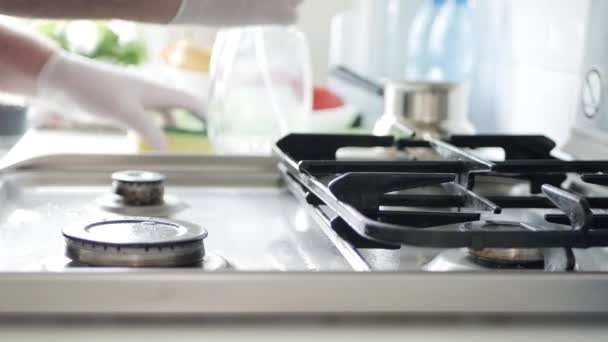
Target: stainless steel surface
x,y
421,106
425,103
253,222
170,206
173,291
354,257
135,242
256,226
378,329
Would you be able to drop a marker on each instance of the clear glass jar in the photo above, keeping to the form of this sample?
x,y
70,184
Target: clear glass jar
x,y
261,88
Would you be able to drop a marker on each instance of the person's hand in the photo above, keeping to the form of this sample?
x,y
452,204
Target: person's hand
x,y
71,83
237,12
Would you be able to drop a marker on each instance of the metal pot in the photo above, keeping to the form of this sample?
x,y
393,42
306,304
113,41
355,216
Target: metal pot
x,y
420,107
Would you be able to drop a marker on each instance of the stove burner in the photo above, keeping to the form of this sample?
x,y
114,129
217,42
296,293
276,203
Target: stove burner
x,y
212,262
461,260
135,242
116,204
508,257
139,188
140,193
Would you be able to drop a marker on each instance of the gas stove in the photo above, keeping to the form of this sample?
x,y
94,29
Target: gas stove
x,y
443,206
355,225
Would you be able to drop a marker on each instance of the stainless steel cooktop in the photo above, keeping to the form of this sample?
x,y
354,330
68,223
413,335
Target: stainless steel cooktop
x,y
264,251
245,216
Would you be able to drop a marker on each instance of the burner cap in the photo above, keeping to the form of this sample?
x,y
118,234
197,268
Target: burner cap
x,y
138,176
211,263
116,204
139,188
135,242
464,259
501,257
507,257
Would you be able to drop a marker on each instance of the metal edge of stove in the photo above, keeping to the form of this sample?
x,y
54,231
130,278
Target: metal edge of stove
x,y
163,162
182,168
257,294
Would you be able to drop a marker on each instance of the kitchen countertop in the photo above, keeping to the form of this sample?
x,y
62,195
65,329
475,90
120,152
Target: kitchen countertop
x,y
42,142
67,141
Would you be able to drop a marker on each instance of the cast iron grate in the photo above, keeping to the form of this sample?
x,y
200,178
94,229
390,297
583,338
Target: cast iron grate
x,y
378,203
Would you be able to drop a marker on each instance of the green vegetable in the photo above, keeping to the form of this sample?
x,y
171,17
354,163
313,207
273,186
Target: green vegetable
x,y
102,43
186,122
54,30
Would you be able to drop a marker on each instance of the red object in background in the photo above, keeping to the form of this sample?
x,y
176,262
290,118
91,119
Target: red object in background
x,y
323,98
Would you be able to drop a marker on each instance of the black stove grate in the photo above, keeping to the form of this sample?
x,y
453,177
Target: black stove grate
x,y
435,203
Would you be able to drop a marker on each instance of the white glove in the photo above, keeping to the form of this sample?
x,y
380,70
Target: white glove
x,y
237,12
74,84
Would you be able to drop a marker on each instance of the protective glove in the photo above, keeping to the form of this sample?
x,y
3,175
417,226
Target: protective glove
x,y
237,12
70,83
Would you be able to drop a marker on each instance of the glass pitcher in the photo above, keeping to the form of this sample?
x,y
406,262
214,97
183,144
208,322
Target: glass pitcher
x,y
261,88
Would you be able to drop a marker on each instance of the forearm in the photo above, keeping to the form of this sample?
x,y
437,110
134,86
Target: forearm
x,y
154,11
22,58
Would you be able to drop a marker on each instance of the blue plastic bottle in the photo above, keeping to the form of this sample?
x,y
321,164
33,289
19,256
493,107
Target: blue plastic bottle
x,y
400,16
418,48
452,43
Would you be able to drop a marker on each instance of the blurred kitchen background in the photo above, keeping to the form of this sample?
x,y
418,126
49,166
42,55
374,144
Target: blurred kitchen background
x,y
525,79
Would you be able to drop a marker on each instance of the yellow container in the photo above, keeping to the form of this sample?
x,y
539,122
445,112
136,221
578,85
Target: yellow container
x,y
178,141
185,133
